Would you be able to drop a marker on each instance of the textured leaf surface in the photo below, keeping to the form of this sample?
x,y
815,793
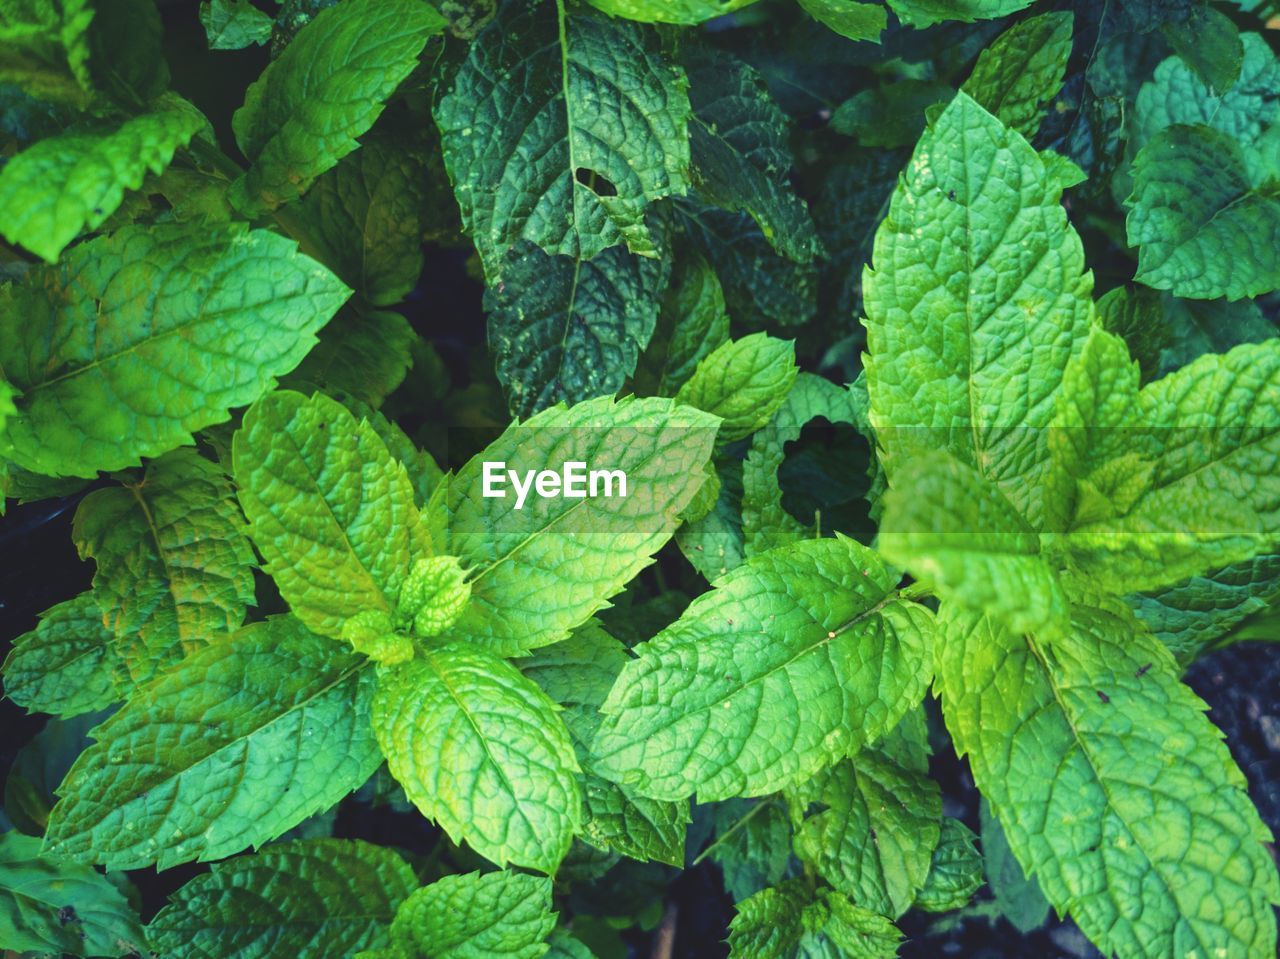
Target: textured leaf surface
x,y
692,322
769,924
1016,77
741,155
539,571
978,284
924,13
66,665
560,130
174,567
246,739
44,48
1114,790
329,509
743,382
796,658
303,114
482,751
670,11
304,899
563,329
49,906
955,872
1201,228
791,922
849,18
58,188
1196,327
134,341
499,915
234,24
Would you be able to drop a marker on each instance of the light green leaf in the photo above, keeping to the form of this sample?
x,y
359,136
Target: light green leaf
x,y
1022,71
566,330
53,191
790,921
743,382
541,570
330,511
243,741
1113,789
499,915
361,355
955,872
66,665
770,923
303,114
692,321
109,374
44,48
1018,897
234,24
305,899
174,568
849,18
1196,217
561,130
953,529
52,906
483,752
738,140
925,13
714,543
854,932
670,11
977,299
794,660
875,832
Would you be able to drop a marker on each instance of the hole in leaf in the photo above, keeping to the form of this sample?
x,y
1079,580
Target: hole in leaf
x,y
594,182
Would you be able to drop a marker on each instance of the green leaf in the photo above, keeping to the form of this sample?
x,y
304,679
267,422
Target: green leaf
x,y
565,946
714,543
1136,315
365,218
481,751
891,115
66,665
109,375
876,829
769,924
128,60
794,660
561,130
60,187
743,382
1209,43
853,931
50,906
541,570
565,330
1197,327
1022,71
234,24
44,48
974,245
955,873
243,741
925,13
791,922
670,11
499,915
174,568
849,18
738,141
752,844
953,529
1018,897
331,512
692,321
305,899
303,114
1195,216
362,355
1113,789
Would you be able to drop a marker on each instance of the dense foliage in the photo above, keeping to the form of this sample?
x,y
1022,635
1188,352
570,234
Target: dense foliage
x,y
935,341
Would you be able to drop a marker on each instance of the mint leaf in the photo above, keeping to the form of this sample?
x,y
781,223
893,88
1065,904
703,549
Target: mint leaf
x,y
1022,71
500,915
362,355
304,899
975,242
795,659
174,567
743,382
303,114
227,309
670,11
565,330
1018,897
925,13
1209,43
44,48
66,665
52,906
331,512
792,921
1196,217
849,18
955,872
741,157
1101,767
234,24
539,571
769,924
481,750
60,187
692,321
242,741
561,130
889,116
1137,315
1197,327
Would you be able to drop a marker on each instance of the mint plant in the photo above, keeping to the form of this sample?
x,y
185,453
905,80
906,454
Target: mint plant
x,y
879,395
